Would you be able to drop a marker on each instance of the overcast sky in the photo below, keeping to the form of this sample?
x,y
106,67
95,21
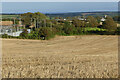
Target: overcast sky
x,y
60,0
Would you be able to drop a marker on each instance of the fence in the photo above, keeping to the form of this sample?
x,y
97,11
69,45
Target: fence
x,y
10,30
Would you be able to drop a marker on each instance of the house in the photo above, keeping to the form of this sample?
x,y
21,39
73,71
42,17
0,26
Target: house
x,y
64,19
82,19
103,19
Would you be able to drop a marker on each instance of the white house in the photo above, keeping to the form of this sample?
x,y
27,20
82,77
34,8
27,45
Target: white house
x,y
103,19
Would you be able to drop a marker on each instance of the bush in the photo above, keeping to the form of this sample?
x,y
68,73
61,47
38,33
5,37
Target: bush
x,y
89,30
117,32
68,28
43,33
94,29
7,36
78,31
34,35
24,34
58,29
46,33
4,36
92,21
110,25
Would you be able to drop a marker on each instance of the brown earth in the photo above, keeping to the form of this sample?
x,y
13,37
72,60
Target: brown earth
x,y
6,23
62,57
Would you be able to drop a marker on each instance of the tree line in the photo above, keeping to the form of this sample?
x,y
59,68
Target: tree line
x,y
46,28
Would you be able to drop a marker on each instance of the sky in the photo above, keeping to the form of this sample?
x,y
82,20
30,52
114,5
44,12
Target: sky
x,y
58,7
60,0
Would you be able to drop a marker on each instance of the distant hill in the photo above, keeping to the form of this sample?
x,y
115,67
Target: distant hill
x,y
71,14
83,14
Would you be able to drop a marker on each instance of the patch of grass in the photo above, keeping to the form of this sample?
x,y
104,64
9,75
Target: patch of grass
x,y
9,16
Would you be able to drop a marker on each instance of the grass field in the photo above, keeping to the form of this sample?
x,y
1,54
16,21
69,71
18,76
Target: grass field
x,y
62,57
9,16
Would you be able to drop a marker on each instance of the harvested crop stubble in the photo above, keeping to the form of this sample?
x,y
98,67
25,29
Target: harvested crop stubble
x,y
62,57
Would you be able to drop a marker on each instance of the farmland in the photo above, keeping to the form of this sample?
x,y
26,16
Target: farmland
x,y
66,14
62,57
10,16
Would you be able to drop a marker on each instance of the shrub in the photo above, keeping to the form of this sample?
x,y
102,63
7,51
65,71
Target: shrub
x,y
117,31
7,36
68,28
92,21
78,23
110,25
78,30
34,35
46,33
4,36
58,29
24,34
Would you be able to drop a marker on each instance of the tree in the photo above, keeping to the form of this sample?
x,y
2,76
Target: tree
x,y
68,18
116,18
46,33
26,18
92,21
56,17
68,28
59,29
78,23
39,16
98,18
30,18
24,34
109,24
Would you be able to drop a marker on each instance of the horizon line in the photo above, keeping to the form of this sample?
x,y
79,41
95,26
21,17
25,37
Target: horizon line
x,y
61,12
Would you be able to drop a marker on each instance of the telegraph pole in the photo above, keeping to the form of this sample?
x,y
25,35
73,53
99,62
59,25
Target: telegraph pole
x,y
20,24
31,21
35,22
44,22
20,21
40,23
14,22
14,26
51,24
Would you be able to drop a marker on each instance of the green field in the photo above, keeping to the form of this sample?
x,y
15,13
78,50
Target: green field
x,y
68,14
9,16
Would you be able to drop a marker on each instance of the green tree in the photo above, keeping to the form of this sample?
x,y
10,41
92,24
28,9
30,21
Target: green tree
x,y
78,23
59,29
46,33
68,28
109,24
39,16
26,18
35,34
24,34
98,18
30,18
92,22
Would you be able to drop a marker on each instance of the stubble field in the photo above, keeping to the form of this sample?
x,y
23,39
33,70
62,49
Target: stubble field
x,y
62,57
